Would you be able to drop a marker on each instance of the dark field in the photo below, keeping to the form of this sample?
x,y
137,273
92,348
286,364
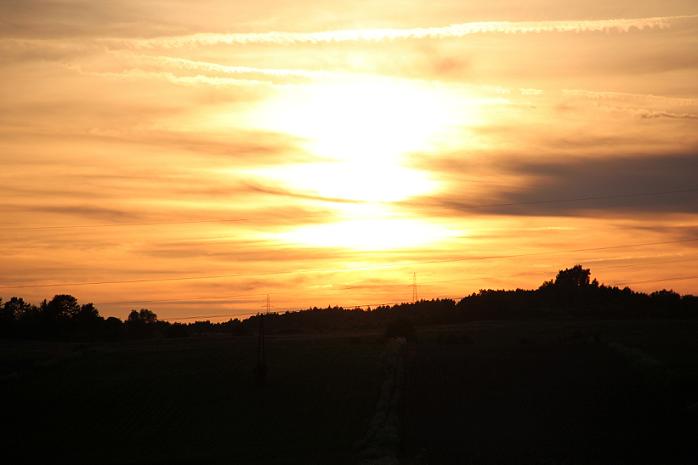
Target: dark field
x,y
482,393
190,401
555,393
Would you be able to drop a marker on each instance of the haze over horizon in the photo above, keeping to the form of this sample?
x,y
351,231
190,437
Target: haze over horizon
x,y
194,159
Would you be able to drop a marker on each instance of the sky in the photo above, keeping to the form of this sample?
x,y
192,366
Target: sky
x,y
193,158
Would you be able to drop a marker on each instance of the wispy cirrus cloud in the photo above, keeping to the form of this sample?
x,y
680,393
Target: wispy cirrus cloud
x,y
93,212
457,30
203,66
176,70
438,32
610,96
667,114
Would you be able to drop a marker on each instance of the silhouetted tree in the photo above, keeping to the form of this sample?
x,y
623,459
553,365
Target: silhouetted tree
x,y
87,324
575,277
7,318
113,328
14,308
143,315
176,330
87,313
141,323
11,312
571,289
571,294
61,307
665,303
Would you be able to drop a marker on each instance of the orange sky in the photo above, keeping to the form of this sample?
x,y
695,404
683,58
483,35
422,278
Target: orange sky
x,y
194,159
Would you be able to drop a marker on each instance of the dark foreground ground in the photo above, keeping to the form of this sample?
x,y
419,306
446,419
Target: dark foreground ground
x,y
482,393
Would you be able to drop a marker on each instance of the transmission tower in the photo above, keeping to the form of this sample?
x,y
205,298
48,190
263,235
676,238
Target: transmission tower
x,y
414,287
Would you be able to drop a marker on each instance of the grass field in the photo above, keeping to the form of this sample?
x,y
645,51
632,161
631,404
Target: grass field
x,y
482,393
555,393
190,401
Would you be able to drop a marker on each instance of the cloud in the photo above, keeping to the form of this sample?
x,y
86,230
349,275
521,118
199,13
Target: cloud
x,y
264,189
83,211
681,232
195,80
530,91
622,185
203,66
627,97
82,18
185,71
236,251
457,30
244,147
439,32
666,114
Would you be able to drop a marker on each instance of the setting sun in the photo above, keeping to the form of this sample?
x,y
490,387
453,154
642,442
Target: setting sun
x,y
364,132
361,130
366,120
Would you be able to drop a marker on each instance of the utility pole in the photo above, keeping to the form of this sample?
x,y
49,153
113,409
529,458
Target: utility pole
x,y
261,353
414,287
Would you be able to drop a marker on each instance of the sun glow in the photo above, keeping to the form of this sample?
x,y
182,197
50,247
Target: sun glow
x,y
355,182
364,119
361,132
361,135
368,234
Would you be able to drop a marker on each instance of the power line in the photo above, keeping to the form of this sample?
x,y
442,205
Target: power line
x,y
374,304
678,278
553,252
208,316
363,305
109,225
346,307
300,309
602,266
359,306
288,310
129,281
377,267
192,299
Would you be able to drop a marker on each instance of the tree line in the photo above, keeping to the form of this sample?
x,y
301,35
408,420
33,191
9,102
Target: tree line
x,y
572,294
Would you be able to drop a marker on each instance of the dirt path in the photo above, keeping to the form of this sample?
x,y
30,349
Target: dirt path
x,y
381,443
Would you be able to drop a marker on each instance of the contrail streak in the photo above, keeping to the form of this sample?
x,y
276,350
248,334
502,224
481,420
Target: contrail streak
x,y
442,32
